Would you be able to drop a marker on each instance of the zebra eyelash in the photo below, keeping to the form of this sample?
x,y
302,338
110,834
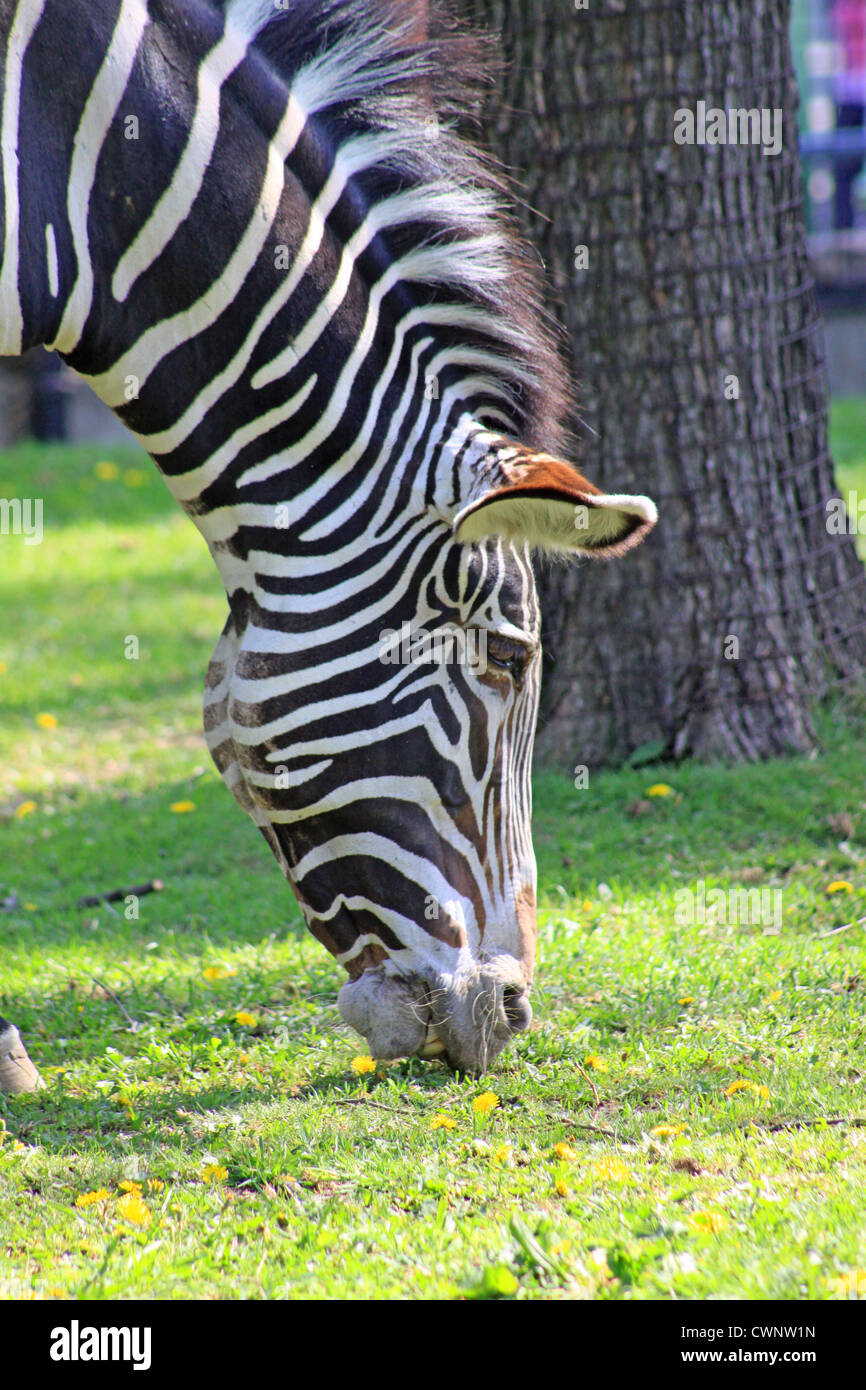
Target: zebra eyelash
x,y
508,655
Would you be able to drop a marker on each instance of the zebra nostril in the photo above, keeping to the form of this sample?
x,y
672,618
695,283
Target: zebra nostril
x,y
518,1010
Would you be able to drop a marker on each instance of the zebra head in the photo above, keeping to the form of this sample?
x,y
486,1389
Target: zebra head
x,y
418,869
383,724
244,224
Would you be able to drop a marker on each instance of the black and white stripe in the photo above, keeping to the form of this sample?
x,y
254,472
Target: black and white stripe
x,y
255,232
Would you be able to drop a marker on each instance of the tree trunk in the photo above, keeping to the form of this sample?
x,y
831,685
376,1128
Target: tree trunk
x,y
698,362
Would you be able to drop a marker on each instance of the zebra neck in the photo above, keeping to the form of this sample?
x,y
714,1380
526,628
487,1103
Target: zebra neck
x,y
282,522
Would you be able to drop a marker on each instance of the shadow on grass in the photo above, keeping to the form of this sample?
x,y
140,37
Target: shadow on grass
x,y
428,1074
54,1119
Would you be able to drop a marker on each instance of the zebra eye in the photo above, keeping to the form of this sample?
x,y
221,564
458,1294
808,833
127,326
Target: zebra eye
x,y
504,654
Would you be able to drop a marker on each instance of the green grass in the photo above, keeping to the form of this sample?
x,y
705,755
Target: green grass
x,y
337,1185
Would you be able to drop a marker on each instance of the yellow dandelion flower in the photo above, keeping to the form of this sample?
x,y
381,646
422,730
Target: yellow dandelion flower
x,y
243,1059
362,1066
3,668
128,1186
47,721
595,1063
561,1187
840,885
687,999
133,477
565,1152
215,972
587,905
155,1184
182,808
762,1092
852,1284
244,1019
133,1209
106,470
502,1154
660,789
736,1086
443,1122
612,1170
214,1172
87,1199
773,996
26,808
708,1222
483,1104
667,1131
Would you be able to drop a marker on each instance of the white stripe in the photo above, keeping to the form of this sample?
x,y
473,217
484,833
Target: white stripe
x,y
221,525
333,415
51,261
333,745
11,320
432,263
418,870
419,792
361,153
336,518
176,201
105,97
192,484
368,939
158,341
251,16
366,484
272,641
287,778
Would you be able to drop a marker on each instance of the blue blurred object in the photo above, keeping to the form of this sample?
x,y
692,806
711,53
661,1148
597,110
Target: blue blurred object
x,y
829,43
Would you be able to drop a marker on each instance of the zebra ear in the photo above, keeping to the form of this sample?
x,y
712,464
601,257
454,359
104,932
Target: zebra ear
x,y
545,503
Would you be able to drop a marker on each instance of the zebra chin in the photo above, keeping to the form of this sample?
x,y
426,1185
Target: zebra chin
x,y
465,1020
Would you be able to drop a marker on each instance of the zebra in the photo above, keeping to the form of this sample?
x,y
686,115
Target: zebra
x,y
256,229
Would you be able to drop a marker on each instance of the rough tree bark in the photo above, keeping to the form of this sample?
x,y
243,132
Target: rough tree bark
x,y
695,274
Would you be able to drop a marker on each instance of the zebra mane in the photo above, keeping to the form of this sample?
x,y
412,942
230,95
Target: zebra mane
x,y
406,72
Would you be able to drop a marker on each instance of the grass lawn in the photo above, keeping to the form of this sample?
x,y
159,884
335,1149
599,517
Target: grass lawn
x,y
686,1117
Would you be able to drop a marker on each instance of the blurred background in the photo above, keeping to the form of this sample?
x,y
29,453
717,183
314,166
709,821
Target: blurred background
x,y
829,48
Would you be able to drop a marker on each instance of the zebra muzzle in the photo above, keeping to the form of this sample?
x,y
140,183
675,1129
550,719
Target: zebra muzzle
x,y
466,1023
390,1012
